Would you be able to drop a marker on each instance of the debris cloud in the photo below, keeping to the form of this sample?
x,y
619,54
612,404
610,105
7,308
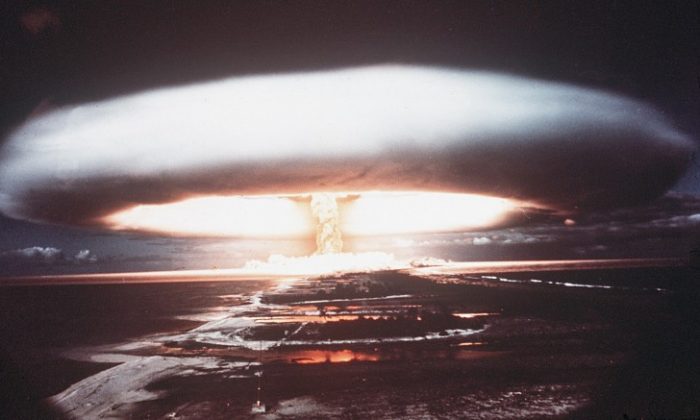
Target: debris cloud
x,y
324,208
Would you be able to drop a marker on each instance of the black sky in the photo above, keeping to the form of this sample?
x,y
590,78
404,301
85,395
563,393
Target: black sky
x,y
88,50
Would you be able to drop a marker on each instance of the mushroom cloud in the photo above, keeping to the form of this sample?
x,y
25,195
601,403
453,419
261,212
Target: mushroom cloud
x,y
553,146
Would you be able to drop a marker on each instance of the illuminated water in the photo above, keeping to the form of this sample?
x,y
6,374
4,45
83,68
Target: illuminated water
x,y
538,349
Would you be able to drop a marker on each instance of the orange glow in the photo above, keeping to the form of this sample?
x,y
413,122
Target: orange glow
x,y
370,213
333,356
470,315
316,319
250,216
378,213
470,344
325,263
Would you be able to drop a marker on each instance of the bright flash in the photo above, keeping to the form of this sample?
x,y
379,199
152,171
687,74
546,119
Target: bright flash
x,y
326,214
396,213
233,216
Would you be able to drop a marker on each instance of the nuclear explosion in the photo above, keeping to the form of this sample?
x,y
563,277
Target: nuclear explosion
x,y
329,239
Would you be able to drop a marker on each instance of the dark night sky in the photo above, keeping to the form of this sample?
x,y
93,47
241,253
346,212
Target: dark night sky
x,y
55,53
88,50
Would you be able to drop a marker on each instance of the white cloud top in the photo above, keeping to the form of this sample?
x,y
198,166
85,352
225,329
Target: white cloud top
x,y
375,128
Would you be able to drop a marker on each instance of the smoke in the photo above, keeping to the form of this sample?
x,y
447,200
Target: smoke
x,y
324,208
380,128
319,264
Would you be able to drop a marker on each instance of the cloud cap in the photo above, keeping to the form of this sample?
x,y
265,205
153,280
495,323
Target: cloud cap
x,y
388,127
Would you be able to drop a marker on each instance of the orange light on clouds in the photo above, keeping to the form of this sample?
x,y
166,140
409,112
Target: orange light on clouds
x,y
370,213
228,216
379,213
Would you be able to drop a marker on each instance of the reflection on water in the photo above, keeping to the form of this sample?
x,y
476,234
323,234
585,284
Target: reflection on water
x,y
347,309
319,319
470,315
333,356
322,318
470,344
314,356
